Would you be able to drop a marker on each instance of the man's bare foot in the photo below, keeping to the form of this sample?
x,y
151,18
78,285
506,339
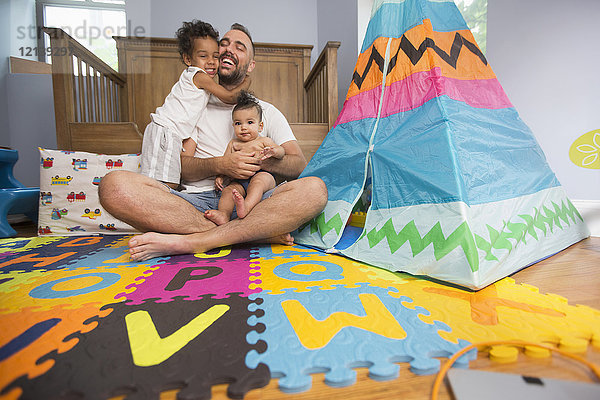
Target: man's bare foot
x,y
240,204
216,216
285,239
151,244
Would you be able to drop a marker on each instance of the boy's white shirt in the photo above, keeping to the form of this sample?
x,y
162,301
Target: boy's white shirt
x,y
183,106
215,130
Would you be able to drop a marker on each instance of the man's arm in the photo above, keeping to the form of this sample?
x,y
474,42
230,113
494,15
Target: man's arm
x,y
237,165
290,166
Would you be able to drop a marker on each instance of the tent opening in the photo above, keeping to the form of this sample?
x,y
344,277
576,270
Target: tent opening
x,y
356,222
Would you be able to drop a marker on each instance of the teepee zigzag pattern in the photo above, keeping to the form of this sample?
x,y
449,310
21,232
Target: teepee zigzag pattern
x,y
415,54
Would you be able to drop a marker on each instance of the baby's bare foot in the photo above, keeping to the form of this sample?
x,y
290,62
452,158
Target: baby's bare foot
x,y
216,216
240,204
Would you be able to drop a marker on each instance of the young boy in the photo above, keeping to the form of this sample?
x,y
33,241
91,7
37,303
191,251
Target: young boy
x,y
245,194
175,120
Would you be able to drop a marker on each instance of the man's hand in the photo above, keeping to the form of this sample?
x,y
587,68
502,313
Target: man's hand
x,y
239,165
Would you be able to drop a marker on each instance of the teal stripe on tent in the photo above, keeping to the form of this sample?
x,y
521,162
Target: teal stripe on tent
x,y
494,152
394,19
340,160
496,156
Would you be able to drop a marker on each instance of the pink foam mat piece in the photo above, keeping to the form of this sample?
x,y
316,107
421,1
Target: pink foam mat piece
x,y
194,279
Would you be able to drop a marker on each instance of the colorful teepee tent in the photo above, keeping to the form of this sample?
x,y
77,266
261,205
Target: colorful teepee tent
x,y
459,189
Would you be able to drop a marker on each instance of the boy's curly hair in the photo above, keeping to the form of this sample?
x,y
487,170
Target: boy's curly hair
x,y
189,31
245,101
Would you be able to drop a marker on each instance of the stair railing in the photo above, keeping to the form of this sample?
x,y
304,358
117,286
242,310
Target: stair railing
x,y
86,89
321,87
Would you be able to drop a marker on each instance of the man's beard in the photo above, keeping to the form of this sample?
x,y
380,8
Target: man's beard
x,y
236,77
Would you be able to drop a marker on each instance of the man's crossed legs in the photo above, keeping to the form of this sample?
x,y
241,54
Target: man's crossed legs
x,y
148,205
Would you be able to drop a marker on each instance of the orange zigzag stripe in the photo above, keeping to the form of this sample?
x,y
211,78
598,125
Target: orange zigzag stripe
x,y
468,65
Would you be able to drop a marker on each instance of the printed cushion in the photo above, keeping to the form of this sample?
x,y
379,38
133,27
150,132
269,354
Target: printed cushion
x,y
69,203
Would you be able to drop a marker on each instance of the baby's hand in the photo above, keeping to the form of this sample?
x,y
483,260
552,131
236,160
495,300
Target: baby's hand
x,y
272,152
267,152
219,181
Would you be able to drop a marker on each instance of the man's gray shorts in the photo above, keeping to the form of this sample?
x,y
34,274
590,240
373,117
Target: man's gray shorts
x,y
209,200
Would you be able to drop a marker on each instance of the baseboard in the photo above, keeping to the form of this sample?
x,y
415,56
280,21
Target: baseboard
x,y
590,211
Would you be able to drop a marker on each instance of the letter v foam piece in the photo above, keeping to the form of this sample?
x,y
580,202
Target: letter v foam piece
x,y
148,348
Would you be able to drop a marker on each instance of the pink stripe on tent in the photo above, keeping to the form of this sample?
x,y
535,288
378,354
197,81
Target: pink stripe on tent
x,y
363,105
421,87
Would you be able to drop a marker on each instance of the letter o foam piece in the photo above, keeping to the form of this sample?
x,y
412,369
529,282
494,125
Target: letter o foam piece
x,y
332,271
46,290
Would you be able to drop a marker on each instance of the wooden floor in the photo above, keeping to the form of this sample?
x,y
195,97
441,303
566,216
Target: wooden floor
x,y
573,273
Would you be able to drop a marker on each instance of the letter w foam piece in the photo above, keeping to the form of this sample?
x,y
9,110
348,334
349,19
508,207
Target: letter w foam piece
x,y
148,348
336,330
314,334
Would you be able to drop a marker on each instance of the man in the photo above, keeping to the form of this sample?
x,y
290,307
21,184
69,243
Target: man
x,y
150,206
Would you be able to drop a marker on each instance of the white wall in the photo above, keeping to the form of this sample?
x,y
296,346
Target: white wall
x,y
31,122
364,15
275,21
4,53
546,55
16,17
26,102
338,21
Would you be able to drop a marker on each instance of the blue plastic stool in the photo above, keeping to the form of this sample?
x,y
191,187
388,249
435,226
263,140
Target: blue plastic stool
x,y
14,197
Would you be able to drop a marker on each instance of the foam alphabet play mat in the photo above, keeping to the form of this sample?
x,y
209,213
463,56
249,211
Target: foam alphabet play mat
x,y
79,319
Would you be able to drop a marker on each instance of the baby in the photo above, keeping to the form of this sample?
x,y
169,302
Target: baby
x,y
175,120
245,194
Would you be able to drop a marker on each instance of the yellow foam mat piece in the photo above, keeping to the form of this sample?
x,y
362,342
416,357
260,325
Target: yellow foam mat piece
x,y
20,292
502,311
347,272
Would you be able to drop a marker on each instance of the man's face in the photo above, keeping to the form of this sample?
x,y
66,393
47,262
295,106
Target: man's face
x,y
235,57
